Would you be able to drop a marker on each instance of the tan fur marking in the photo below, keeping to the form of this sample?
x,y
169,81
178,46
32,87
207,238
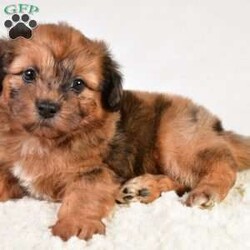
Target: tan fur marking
x,y
98,137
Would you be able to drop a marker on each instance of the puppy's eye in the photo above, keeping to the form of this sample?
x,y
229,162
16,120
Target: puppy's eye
x,y
29,75
77,85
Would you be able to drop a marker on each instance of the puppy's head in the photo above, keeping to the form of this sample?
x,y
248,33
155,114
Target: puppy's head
x,y
58,82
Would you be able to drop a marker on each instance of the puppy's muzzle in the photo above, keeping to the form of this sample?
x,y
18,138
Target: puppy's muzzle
x,y
47,109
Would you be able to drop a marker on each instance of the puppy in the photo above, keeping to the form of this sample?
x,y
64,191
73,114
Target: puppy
x,y
70,134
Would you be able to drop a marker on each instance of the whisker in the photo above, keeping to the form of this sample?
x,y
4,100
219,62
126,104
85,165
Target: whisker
x,y
36,126
60,97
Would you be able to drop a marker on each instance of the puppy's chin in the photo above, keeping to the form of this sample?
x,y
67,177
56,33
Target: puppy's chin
x,y
49,133
43,130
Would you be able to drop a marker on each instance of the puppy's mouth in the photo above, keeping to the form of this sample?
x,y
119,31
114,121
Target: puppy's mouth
x,y
46,123
43,128
52,128
31,127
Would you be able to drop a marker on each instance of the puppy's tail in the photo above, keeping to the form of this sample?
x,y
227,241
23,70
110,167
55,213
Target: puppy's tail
x,y
240,147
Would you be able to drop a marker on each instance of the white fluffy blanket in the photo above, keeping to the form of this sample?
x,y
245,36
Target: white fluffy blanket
x,y
164,224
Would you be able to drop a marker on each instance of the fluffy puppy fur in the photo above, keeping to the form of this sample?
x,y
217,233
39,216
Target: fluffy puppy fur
x,y
69,133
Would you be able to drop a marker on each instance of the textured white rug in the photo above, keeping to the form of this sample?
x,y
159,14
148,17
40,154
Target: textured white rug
x,y
164,224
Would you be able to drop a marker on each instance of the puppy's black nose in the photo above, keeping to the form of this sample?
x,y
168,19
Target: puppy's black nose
x,y
47,109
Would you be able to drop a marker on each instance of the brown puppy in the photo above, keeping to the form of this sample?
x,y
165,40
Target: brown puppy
x,y
68,133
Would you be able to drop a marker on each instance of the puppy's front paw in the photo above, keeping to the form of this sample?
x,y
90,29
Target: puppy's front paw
x,y
143,189
203,198
66,228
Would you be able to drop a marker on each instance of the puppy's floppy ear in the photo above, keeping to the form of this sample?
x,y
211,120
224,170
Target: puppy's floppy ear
x,y
5,53
111,85
2,74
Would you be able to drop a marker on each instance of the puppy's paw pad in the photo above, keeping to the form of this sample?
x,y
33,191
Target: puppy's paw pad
x,y
137,190
20,26
133,195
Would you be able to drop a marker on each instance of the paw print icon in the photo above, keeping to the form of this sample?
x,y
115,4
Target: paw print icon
x,y
20,26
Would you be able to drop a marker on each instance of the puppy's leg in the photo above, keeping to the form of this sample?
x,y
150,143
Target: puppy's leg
x,y
213,187
146,188
87,200
215,184
9,187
